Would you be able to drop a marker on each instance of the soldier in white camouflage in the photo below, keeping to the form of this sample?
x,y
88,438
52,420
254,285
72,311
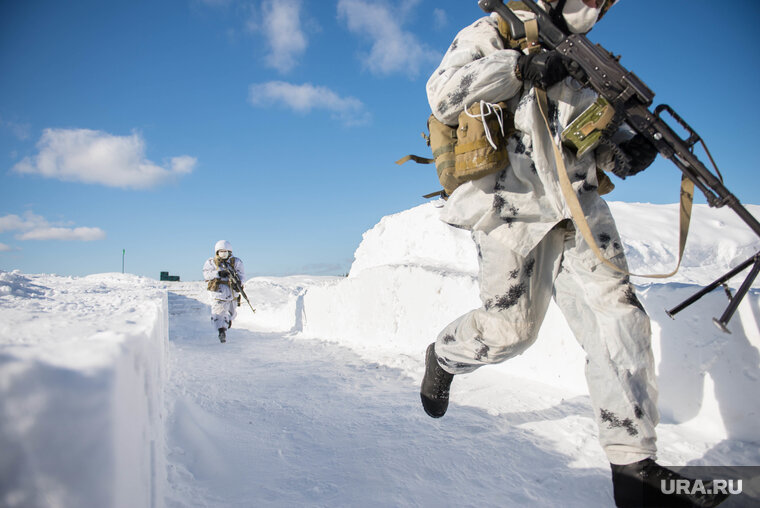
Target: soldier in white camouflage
x,y
225,299
529,249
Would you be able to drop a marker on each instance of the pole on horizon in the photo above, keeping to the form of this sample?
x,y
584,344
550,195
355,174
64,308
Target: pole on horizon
x,y
123,252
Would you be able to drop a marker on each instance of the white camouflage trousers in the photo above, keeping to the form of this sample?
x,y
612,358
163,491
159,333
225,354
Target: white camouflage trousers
x,y
223,312
602,309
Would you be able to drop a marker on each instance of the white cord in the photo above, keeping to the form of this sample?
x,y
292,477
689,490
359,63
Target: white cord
x,y
486,108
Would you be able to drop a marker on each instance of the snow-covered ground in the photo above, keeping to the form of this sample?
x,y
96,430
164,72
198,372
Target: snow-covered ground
x,y
115,392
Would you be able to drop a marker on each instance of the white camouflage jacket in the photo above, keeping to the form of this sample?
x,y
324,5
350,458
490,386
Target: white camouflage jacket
x,y
210,272
523,202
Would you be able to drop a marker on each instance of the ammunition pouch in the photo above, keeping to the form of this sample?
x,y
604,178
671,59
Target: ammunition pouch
x,y
586,132
476,147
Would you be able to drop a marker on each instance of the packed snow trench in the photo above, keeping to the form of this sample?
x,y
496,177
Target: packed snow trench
x,y
115,392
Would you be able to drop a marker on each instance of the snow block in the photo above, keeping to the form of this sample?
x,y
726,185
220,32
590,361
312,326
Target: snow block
x,y
82,370
413,274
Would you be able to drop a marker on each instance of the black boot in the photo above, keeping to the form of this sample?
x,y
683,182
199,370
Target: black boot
x,y
646,483
435,385
222,335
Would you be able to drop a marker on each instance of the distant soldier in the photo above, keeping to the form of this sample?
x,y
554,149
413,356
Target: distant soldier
x,y
216,272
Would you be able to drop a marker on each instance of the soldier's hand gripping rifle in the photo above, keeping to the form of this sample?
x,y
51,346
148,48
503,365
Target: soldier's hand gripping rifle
x,y
631,99
236,284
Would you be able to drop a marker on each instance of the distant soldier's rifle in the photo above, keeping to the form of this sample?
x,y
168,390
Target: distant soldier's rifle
x,y
237,285
631,99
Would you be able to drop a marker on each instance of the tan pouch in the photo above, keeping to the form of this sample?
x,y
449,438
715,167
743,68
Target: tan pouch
x,y
481,147
443,139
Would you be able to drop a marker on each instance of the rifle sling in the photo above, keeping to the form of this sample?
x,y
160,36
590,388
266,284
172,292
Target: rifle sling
x,y
571,199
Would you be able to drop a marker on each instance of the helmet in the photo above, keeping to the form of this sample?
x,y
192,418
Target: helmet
x,y
222,245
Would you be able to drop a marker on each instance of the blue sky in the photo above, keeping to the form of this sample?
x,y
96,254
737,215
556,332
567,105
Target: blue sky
x,y
160,127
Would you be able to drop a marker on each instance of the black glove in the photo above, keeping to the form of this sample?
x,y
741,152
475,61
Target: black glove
x,y
547,68
641,153
223,274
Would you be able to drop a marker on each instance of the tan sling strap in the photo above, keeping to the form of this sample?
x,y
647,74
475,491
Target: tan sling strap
x,y
687,199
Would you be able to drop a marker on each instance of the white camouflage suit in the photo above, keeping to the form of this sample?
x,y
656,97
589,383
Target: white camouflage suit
x,y
529,250
224,299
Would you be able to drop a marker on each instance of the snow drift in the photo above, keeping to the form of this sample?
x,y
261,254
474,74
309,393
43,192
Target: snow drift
x,y
82,369
413,274
83,361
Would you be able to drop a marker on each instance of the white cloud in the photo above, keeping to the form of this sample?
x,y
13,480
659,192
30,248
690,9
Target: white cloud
x,y
66,234
35,227
393,49
5,248
440,20
21,130
83,155
282,27
304,98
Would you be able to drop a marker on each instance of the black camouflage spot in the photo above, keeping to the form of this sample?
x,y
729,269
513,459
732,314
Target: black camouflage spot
x,y
442,107
524,102
580,175
506,210
529,266
587,187
519,145
488,304
514,273
454,45
510,299
533,168
604,240
457,97
448,339
629,296
476,55
638,412
482,351
616,246
441,72
498,202
615,422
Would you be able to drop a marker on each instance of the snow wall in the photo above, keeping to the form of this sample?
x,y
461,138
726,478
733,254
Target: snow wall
x,y
82,372
413,274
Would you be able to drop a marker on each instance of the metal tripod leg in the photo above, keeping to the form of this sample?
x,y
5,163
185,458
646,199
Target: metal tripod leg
x,y
734,301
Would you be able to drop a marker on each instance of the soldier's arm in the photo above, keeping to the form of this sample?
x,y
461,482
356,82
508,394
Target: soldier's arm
x,y
476,67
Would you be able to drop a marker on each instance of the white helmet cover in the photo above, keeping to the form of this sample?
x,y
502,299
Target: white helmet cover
x,y
222,245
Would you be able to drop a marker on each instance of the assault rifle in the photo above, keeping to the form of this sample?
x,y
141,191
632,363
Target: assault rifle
x,y
237,285
631,99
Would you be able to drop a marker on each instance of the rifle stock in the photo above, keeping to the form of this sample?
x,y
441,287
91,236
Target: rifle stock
x,y
631,98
